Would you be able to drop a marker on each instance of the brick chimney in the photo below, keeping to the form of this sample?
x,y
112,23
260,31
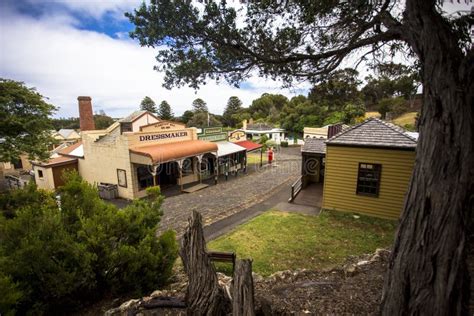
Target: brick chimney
x,y
86,117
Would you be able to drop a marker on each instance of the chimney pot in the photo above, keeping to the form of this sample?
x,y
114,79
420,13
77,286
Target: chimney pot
x,y
86,116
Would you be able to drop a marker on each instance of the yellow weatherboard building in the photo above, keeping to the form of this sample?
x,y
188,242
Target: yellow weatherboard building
x,y
368,169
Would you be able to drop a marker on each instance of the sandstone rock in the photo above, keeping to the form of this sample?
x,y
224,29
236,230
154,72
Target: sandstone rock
x,y
362,263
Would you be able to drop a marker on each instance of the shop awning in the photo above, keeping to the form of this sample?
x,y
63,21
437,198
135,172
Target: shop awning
x,y
248,145
160,153
227,148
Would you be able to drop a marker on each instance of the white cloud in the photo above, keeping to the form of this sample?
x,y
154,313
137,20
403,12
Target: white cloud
x,y
63,62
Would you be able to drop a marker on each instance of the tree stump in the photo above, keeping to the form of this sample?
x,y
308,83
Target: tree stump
x,y
242,289
203,295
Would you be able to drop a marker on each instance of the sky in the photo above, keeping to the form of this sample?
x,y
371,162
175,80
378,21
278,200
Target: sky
x,y
70,48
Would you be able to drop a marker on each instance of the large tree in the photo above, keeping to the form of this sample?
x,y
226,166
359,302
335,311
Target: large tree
x,y
337,89
164,111
233,107
305,40
199,105
148,104
25,122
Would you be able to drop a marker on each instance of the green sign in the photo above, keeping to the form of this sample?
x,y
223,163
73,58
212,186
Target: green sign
x,y
212,130
213,137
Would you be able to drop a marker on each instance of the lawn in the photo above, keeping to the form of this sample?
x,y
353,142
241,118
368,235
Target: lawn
x,y
279,241
406,119
372,114
254,158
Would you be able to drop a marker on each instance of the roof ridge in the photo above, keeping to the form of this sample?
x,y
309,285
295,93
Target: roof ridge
x,y
349,129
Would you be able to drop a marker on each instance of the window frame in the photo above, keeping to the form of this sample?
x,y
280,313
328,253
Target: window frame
x,y
377,171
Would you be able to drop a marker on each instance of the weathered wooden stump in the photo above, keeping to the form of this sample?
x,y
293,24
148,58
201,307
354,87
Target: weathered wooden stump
x,y
242,289
203,296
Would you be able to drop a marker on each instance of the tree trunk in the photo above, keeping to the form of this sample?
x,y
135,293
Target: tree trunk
x,y
242,289
203,296
428,271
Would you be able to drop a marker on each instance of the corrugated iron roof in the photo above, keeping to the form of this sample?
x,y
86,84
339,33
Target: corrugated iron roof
x,y
175,151
374,132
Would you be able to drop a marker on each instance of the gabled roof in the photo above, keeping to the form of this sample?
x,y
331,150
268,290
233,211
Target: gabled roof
x,y
374,132
65,132
75,150
248,145
136,115
58,161
314,146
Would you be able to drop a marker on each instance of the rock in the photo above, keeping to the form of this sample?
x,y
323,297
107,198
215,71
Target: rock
x,y
362,263
129,304
351,270
156,293
257,277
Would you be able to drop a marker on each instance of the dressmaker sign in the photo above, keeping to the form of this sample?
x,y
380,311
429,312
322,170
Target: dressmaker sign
x,y
162,136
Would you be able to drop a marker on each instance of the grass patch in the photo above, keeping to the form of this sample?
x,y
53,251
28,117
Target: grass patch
x,y
254,158
372,114
406,119
278,241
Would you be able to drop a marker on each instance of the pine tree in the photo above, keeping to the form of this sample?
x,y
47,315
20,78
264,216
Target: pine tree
x,y
148,104
234,105
164,111
199,105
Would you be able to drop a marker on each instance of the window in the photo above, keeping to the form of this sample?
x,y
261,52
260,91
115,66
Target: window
x,y
122,178
368,180
40,174
145,178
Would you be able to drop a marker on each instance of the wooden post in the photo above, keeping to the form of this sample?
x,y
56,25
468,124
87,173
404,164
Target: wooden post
x,y
261,156
204,296
180,166
199,157
242,289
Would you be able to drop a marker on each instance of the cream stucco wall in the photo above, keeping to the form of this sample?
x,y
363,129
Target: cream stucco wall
x,y
102,158
141,121
47,181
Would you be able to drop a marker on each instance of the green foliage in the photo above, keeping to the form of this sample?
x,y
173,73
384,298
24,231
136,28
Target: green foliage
x,y
164,111
11,295
233,107
396,105
391,80
186,117
284,144
148,104
338,89
203,119
83,249
351,112
66,123
199,105
262,107
24,122
102,121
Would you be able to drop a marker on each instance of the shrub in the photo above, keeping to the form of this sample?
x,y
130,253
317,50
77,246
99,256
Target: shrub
x,y
284,144
82,250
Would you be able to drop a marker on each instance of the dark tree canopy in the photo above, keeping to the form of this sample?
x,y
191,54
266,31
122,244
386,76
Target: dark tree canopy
x,y
199,105
187,115
337,89
233,107
148,104
25,122
164,111
304,41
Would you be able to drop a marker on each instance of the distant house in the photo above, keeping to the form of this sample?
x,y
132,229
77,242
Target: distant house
x,y
323,132
257,130
65,135
368,169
